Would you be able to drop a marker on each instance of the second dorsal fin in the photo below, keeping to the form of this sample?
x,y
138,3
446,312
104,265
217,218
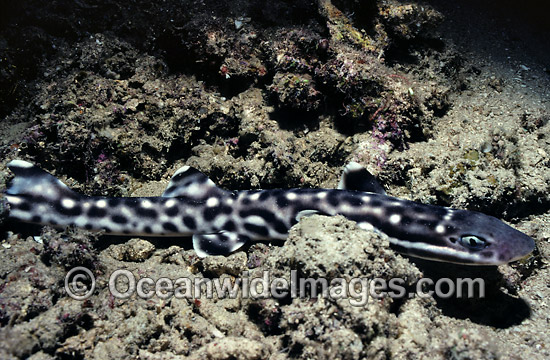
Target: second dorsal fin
x,y
191,183
356,177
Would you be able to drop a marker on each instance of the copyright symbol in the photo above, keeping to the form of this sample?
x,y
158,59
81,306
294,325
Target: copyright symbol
x,y
80,283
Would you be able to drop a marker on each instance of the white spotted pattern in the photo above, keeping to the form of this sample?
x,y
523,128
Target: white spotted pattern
x,y
146,204
255,196
211,202
68,203
395,219
291,196
255,220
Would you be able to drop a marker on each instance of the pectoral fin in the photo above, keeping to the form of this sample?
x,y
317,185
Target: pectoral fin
x,y
221,243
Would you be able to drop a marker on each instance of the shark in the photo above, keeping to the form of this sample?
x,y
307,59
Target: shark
x,y
221,221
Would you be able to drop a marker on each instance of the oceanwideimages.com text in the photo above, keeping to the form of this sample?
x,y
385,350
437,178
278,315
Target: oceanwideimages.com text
x,y
123,284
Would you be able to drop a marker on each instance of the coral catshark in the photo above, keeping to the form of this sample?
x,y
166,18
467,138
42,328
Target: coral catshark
x,y
222,221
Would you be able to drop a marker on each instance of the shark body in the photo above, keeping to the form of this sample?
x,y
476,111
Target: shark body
x,y
222,221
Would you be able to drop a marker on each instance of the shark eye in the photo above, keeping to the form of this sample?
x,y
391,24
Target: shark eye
x,y
473,242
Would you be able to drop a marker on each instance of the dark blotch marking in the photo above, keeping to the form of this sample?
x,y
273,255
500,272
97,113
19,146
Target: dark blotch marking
x,y
147,229
168,226
276,192
246,201
24,206
97,212
149,213
280,227
229,226
88,227
333,198
264,195
257,229
282,201
486,254
119,219
210,213
189,222
126,232
114,202
36,219
354,200
172,211
226,209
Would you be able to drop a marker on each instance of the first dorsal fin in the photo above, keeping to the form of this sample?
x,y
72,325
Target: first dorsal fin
x,y
356,177
191,183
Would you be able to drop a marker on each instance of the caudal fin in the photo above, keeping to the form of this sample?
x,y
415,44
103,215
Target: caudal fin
x,y
32,191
